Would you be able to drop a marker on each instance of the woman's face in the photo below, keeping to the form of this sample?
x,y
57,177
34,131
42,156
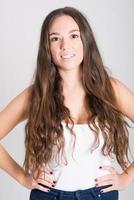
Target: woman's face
x,y
65,43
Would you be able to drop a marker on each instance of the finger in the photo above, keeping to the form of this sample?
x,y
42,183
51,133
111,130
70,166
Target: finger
x,y
42,188
45,175
45,182
35,185
42,174
108,182
48,178
104,178
108,189
108,168
46,168
35,173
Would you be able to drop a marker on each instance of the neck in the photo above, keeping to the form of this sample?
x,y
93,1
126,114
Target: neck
x,y
71,79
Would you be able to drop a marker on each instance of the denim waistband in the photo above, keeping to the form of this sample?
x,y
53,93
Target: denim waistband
x,y
91,193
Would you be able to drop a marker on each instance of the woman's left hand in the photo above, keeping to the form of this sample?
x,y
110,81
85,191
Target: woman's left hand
x,y
116,180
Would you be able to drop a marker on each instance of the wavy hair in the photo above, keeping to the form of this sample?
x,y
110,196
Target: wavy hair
x,y
46,101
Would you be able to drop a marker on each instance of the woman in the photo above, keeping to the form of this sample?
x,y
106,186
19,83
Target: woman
x,y
75,118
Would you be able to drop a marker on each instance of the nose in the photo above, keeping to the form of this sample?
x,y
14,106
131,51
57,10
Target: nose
x,y
64,44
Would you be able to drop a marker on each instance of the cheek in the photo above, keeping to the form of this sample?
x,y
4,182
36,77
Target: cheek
x,y
53,53
80,50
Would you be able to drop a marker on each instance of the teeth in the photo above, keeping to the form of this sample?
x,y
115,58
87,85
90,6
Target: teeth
x,y
67,56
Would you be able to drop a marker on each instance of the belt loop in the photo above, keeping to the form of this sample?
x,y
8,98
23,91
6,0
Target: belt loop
x,y
93,193
77,194
60,195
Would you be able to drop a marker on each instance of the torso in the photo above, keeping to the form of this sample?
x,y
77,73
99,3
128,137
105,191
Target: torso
x,y
75,102
82,165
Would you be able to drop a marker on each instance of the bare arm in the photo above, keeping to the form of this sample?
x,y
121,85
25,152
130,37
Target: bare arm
x,y
14,113
125,103
124,97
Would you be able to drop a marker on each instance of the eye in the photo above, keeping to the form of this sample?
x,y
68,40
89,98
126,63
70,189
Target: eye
x,y
74,36
54,39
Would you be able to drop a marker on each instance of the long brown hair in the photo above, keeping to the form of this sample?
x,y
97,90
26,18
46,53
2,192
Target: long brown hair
x,y
46,103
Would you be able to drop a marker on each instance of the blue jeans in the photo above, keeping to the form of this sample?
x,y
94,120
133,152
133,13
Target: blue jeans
x,y
88,194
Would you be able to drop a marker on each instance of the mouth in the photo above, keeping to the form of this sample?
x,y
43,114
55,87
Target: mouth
x,y
67,56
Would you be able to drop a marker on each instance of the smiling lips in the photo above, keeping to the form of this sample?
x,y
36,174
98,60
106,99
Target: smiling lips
x,y
67,56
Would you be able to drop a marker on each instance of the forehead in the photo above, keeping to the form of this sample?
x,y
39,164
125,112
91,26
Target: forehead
x,y
63,23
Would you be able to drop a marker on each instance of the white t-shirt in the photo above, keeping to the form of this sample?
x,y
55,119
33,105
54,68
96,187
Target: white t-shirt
x,y
82,166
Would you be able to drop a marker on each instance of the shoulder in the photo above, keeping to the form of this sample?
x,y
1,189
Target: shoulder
x,y
21,101
124,98
14,112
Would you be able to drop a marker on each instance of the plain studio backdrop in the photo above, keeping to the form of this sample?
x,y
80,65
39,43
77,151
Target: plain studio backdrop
x,y
20,23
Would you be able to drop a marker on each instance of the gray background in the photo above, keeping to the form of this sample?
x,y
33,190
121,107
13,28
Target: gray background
x,y
20,21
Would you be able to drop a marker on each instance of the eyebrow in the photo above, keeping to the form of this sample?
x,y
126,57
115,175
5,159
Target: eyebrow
x,y
56,33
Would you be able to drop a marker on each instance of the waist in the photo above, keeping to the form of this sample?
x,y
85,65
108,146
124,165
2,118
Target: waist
x,y
81,175
90,193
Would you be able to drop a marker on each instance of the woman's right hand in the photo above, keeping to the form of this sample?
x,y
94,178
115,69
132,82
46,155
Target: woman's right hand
x,y
42,176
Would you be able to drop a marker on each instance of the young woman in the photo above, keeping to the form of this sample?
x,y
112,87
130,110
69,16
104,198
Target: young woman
x,y
75,118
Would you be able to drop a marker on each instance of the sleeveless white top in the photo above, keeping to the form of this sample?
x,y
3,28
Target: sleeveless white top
x,y
82,165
